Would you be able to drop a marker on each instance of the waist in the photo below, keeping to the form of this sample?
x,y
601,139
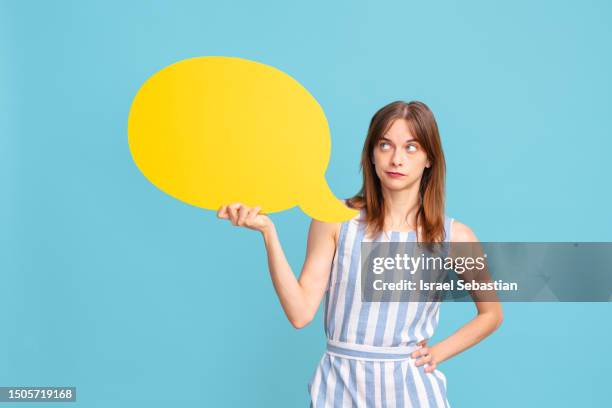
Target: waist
x,y
368,352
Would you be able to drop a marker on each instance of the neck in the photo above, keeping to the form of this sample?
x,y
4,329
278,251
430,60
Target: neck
x,y
401,207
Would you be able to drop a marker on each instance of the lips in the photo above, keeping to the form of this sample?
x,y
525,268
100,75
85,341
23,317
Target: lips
x,y
394,174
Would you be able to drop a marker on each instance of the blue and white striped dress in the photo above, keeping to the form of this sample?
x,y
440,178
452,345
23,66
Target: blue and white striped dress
x,y
367,362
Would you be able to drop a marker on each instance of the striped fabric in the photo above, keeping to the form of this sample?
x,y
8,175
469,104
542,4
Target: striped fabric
x,y
367,362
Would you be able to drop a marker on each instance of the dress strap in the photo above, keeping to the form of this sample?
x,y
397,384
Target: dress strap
x,y
448,228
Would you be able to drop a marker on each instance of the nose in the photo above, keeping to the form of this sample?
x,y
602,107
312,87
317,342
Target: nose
x,y
397,158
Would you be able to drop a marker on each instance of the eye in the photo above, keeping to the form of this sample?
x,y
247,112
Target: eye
x,y
412,148
384,145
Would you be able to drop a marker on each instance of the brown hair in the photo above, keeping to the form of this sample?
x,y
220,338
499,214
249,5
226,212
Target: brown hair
x,y
430,215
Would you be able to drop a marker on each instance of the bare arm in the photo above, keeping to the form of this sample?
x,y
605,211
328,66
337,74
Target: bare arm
x,y
489,317
300,299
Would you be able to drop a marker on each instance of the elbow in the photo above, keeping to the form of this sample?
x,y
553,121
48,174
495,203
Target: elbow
x,y
494,319
499,319
300,323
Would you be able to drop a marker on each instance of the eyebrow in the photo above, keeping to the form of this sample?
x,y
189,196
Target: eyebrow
x,y
407,141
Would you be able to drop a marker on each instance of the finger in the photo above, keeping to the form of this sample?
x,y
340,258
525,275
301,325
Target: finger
x,y
233,213
252,214
431,368
222,212
423,360
420,352
422,343
234,206
244,213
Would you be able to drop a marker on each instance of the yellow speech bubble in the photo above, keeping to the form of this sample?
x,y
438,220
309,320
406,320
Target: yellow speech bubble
x,y
211,131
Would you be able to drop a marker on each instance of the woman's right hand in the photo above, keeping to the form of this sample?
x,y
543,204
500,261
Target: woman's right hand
x,y
241,215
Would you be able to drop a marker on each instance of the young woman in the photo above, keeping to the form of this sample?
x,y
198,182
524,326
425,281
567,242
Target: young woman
x,y
377,353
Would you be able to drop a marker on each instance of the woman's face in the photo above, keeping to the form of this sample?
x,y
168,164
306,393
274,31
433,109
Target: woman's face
x,y
399,159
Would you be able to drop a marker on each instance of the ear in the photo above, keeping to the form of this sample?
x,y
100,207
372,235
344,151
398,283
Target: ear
x,y
428,164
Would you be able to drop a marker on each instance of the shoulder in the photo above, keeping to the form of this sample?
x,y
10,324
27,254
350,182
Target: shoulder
x,y
461,233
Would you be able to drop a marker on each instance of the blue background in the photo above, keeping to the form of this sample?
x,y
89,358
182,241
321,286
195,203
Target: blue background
x,y
140,300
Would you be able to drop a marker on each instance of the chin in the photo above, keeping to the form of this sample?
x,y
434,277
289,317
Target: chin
x,y
397,186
